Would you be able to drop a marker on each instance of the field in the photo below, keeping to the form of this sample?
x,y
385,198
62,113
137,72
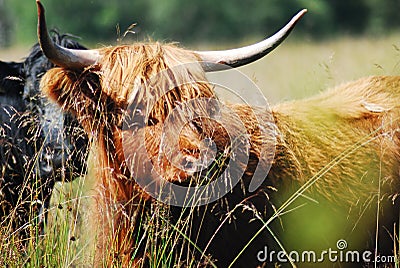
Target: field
x,y
295,70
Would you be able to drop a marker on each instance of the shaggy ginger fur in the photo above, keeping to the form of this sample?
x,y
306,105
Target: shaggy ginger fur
x,y
309,135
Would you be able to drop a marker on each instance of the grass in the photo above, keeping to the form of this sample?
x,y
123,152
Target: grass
x,y
58,248
295,70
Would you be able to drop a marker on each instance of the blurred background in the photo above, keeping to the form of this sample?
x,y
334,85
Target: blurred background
x,y
336,41
197,21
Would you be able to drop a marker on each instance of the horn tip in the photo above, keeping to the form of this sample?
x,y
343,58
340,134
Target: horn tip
x,y
299,15
40,8
41,27
302,12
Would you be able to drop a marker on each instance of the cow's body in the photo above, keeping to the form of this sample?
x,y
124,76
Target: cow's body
x,y
344,144
39,143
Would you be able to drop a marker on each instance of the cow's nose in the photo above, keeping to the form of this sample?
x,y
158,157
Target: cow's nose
x,y
45,166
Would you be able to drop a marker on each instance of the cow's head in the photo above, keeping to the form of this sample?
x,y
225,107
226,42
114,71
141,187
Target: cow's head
x,y
99,85
62,143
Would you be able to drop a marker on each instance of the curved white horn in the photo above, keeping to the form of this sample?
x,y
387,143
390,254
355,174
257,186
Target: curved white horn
x,y
212,60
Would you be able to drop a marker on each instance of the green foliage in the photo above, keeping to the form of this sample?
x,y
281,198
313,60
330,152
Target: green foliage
x,y
5,25
199,21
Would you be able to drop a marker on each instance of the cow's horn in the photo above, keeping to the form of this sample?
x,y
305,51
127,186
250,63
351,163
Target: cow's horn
x,y
67,58
220,60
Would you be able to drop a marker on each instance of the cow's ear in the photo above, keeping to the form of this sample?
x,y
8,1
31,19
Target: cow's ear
x,y
11,77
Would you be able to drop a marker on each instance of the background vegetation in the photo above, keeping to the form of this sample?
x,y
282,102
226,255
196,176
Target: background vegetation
x,y
197,21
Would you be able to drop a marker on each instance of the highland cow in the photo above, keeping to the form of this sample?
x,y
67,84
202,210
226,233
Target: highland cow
x,y
40,145
334,173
